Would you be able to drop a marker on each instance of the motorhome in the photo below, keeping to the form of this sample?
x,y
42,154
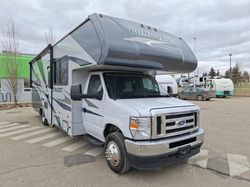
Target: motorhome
x,y
97,82
168,83
223,87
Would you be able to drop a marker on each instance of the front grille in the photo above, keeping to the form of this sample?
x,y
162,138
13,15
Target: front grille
x,y
168,125
179,129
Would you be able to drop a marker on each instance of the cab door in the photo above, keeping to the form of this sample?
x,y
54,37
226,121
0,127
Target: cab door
x,y
93,107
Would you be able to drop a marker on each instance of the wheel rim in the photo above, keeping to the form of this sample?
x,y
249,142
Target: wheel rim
x,y
113,153
200,98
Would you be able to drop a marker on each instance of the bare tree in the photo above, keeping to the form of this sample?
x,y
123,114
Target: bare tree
x,y
10,45
49,37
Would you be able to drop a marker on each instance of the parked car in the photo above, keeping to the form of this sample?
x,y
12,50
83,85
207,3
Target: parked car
x,y
199,94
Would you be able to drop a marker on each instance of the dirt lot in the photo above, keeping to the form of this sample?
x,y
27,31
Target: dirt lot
x,y
243,90
27,159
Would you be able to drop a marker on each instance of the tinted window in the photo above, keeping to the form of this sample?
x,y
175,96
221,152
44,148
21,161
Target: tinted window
x,y
61,72
122,86
95,85
187,90
199,90
150,85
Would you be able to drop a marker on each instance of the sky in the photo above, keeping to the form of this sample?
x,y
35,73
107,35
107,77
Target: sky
x,y
220,27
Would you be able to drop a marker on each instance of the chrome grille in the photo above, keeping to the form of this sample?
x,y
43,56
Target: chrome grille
x,y
167,125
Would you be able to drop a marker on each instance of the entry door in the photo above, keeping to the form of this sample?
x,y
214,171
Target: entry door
x,y
93,107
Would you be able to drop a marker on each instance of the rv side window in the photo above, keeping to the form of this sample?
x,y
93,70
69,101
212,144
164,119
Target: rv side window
x,y
95,85
26,83
61,72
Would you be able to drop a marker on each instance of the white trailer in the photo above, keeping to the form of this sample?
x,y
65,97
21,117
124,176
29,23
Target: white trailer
x,y
96,82
168,83
223,87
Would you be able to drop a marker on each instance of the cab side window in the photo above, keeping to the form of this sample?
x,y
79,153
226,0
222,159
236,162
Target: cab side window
x,y
95,86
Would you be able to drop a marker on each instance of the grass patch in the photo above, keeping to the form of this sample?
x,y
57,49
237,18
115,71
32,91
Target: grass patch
x,y
243,90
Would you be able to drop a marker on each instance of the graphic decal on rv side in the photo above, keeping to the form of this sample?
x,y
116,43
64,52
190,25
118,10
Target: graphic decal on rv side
x,y
63,105
36,76
154,43
89,103
85,110
66,100
39,91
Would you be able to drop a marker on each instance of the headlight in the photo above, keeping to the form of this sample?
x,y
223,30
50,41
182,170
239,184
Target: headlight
x,y
140,127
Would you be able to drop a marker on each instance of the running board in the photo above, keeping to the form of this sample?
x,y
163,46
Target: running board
x,y
93,140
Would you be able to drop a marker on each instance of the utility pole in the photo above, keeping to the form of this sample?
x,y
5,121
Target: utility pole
x,y
230,61
195,55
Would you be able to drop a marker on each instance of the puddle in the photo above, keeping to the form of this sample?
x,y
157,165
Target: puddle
x,y
78,159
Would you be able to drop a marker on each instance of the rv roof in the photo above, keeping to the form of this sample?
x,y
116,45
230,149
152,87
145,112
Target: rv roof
x,y
117,42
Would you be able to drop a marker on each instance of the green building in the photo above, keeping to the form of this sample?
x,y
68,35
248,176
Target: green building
x,y
23,78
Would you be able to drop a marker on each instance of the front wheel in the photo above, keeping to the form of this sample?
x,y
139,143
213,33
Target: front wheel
x,y
116,154
44,120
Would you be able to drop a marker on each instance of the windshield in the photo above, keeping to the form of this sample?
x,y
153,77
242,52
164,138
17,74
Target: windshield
x,y
128,85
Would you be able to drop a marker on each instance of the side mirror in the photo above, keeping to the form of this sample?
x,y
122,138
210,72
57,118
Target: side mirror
x,y
76,92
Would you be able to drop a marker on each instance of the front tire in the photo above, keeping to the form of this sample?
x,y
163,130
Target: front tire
x,y
116,154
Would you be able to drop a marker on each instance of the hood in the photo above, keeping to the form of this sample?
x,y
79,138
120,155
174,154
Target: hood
x,y
145,105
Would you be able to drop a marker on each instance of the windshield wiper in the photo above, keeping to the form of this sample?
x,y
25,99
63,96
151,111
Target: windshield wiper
x,y
156,95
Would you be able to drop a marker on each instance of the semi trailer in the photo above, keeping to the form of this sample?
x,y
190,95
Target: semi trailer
x,y
98,82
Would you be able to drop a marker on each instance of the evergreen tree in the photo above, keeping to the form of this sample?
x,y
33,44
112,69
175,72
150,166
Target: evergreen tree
x,y
204,74
212,72
218,73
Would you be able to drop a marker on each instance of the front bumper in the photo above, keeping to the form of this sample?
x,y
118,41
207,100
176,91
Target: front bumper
x,y
157,153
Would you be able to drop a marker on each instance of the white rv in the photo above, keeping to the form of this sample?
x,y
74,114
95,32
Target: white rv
x,y
168,83
96,82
